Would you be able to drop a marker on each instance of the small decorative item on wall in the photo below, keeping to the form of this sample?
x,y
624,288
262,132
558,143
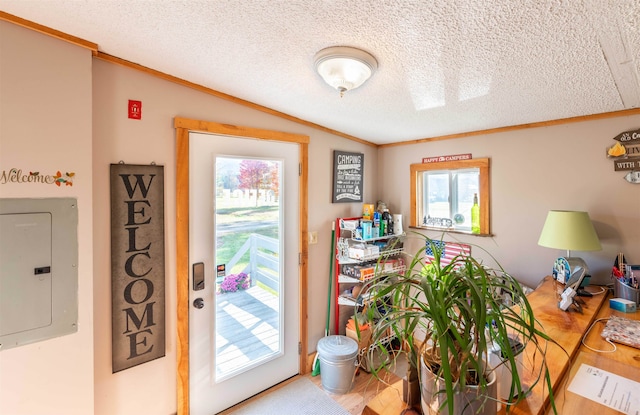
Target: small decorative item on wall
x,y
348,171
453,157
626,155
445,223
633,177
137,265
19,176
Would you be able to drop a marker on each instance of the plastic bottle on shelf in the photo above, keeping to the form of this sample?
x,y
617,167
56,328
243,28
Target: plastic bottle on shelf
x,y
397,224
367,229
357,234
475,215
387,222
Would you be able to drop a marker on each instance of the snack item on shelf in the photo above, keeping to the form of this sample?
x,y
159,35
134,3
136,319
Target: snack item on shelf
x,y
359,271
391,265
367,211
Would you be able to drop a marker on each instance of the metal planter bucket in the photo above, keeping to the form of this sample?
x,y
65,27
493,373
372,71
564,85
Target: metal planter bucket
x,y
471,401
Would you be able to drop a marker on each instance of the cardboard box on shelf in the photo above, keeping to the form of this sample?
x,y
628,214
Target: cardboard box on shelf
x,y
392,264
362,251
365,337
359,271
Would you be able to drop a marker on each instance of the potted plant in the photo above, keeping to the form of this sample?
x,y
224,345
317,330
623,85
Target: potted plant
x,y
234,282
448,318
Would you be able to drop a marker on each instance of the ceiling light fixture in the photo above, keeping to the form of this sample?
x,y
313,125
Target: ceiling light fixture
x,y
345,68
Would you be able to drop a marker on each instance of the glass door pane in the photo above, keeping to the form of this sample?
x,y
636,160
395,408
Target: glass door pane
x,y
247,221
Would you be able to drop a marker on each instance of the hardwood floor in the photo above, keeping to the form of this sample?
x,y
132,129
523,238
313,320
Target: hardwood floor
x,y
365,387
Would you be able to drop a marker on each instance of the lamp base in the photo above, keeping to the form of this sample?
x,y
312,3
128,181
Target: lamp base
x,y
566,269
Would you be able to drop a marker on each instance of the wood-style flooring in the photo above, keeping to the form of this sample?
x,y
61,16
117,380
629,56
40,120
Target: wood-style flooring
x,y
365,388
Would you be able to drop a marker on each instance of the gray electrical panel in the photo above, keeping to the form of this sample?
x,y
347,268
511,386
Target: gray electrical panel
x,y
38,269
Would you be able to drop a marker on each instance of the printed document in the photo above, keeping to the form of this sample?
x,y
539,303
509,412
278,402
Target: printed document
x,y
607,388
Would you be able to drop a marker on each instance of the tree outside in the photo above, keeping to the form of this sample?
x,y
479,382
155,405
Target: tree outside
x,y
258,175
247,202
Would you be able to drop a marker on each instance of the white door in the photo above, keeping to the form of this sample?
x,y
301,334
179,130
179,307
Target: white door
x,y
243,232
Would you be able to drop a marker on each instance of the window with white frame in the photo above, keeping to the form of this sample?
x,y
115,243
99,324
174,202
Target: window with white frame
x,y
443,194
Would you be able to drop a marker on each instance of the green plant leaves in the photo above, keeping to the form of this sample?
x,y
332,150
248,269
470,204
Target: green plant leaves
x,y
461,309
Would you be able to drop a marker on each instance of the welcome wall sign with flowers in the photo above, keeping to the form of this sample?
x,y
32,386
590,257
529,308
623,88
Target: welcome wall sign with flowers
x,y
15,175
235,282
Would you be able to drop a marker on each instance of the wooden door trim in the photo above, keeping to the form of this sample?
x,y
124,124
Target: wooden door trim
x,y
183,127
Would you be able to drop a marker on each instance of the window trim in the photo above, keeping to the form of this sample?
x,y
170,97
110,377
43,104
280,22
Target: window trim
x,y
416,189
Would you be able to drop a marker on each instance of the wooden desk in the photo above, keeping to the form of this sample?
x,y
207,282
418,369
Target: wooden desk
x,y
625,361
566,328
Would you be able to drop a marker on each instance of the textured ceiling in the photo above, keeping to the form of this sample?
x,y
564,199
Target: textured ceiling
x,y
445,66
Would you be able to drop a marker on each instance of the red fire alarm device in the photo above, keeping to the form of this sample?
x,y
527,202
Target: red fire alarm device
x,y
135,109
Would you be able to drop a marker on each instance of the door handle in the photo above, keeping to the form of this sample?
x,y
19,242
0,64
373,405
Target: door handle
x,y
198,276
198,303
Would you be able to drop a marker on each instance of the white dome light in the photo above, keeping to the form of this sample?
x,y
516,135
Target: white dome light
x,y
345,68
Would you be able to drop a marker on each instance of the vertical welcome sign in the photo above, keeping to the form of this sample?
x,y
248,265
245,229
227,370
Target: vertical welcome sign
x,y
137,265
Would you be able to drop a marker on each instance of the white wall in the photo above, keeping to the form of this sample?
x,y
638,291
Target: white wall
x,y
150,388
45,126
533,171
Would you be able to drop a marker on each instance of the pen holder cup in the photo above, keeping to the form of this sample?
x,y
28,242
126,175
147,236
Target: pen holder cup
x,y
622,290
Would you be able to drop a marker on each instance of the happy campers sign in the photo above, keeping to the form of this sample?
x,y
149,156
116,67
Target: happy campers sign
x,y
137,265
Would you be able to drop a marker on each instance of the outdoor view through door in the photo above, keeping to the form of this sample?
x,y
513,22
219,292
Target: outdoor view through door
x,y
247,213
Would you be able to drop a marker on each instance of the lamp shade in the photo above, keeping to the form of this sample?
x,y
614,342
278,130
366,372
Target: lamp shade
x,y
345,68
569,230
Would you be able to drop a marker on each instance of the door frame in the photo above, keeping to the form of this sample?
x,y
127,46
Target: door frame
x,y
183,127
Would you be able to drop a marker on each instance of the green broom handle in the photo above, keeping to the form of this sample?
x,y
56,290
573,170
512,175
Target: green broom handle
x,y
332,255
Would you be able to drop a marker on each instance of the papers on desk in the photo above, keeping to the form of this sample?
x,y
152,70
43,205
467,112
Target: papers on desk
x,y
608,389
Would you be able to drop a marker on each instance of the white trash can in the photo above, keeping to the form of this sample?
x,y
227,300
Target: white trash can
x,y
337,356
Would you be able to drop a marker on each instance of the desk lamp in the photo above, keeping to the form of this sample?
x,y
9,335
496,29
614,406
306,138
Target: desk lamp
x,y
570,230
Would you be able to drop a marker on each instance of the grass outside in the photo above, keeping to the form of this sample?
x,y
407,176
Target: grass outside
x,y
228,213
229,244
